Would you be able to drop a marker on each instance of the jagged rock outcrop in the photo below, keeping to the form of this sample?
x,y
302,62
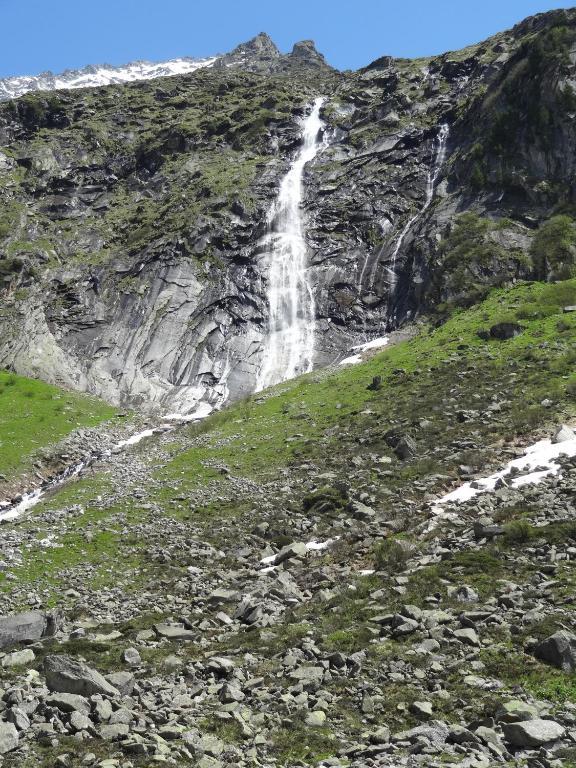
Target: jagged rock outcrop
x,y
262,55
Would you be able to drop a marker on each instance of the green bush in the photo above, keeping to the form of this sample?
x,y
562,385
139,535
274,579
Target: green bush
x,y
518,532
391,555
554,249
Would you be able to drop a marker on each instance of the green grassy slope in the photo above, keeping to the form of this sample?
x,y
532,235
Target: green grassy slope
x,y
456,395
321,416
35,415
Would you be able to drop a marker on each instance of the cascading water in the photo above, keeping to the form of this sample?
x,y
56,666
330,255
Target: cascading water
x,y
439,157
289,345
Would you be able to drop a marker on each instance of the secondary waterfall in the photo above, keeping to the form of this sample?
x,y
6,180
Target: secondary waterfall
x,y
433,173
289,345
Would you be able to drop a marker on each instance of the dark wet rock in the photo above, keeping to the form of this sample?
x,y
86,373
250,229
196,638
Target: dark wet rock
x,y
505,331
402,444
559,650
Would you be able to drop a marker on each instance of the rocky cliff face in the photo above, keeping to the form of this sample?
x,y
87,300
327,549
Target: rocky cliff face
x,y
131,215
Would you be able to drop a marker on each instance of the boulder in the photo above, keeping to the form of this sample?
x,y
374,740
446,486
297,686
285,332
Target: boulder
x,y
66,675
563,434
131,656
486,528
464,594
80,722
490,737
68,702
505,331
174,632
18,658
316,719
122,681
516,711
559,650
297,549
307,674
435,732
422,710
114,732
8,737
468,636
18,718
230,693
532,733
26,627
402,444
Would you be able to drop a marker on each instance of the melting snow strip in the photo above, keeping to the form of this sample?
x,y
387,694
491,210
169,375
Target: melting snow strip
x,y
360,348
537,463
311,546
32,498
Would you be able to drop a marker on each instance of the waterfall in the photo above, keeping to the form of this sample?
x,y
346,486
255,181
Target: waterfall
x,y
433,174
289,345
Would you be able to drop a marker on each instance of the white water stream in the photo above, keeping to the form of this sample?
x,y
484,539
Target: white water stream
x,y
289,345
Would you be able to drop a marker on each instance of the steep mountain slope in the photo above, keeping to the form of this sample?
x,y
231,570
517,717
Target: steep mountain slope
x,y
278,586
144,224
133,216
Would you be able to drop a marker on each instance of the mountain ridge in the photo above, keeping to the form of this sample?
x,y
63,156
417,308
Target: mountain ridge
x,y
258,53
97,75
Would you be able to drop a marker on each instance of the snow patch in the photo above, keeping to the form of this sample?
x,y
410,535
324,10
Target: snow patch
x,y
537,463
135,439
31,499
361,348
318,546
97,76
269,569
203,410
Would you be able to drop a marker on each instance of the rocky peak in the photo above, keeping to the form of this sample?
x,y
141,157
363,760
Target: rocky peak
x,y
305,52
258,54
262,55
261,45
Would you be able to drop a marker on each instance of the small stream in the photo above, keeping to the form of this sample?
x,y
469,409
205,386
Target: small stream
x,y
29,499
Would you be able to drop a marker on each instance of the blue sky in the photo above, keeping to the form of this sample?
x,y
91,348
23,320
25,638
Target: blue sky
x,y
57,34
